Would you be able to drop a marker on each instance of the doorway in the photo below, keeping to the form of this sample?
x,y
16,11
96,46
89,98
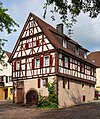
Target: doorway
x,y
31,97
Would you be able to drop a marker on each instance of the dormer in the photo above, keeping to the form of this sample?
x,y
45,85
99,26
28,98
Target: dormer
x,y
65,43
77,49
85,54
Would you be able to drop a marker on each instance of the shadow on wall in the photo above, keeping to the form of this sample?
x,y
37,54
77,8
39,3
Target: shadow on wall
x,y
74,96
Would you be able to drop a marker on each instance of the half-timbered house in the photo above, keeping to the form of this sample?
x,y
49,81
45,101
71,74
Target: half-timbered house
x,y
44,54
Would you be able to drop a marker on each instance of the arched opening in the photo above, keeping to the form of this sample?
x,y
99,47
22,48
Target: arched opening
x,y
31,97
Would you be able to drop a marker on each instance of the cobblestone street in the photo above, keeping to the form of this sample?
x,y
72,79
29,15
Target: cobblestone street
x,y
8,110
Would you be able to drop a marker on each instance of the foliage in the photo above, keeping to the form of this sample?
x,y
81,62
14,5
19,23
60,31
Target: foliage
x,y
52,93
50,101
72,7
6,23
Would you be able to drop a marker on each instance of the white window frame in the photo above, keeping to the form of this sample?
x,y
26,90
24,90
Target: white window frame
x,y
46,62
37,64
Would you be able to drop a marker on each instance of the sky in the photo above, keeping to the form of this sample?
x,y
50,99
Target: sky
x,y
86,31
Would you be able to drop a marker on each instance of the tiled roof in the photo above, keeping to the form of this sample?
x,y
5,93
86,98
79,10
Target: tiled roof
x,y
7,53
95,57
50,31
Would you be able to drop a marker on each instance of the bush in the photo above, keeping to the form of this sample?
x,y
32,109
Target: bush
x,y
51,101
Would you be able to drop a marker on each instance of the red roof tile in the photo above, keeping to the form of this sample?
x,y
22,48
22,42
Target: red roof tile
x,y
48,31
95,57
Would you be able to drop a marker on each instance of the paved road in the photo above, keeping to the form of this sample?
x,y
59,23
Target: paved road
x,y
8,110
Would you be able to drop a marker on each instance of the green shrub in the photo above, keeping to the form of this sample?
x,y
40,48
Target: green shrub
x,y
51,101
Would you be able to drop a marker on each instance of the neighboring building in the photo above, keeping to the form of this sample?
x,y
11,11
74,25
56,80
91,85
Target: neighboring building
x,y
95,58
44,54
6,85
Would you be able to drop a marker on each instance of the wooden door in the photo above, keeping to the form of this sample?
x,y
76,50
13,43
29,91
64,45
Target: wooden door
x,y
20,96
32,97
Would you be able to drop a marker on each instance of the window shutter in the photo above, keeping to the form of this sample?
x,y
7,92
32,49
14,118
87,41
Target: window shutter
x,y
38,83
14,65
37,42
51,60
26,45
63,61
41,62
6,79
90,71
33,64
80,67
46,82
68,62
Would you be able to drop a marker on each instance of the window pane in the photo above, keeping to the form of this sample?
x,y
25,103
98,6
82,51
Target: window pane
x,y
66,62
37,63
46,60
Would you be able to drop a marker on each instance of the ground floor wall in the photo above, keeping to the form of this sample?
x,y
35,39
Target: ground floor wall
x,y
70,92
74,92
28,87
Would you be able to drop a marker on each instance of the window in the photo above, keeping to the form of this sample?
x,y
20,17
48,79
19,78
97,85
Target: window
x,y
18,65
77,50
66,62
30,45
66,83
85,55
46,61
44,82
34,43
65,43
82,86
82,68
37,63
31,23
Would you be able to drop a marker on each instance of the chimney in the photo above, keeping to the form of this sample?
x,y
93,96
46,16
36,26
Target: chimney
x,y
59,27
